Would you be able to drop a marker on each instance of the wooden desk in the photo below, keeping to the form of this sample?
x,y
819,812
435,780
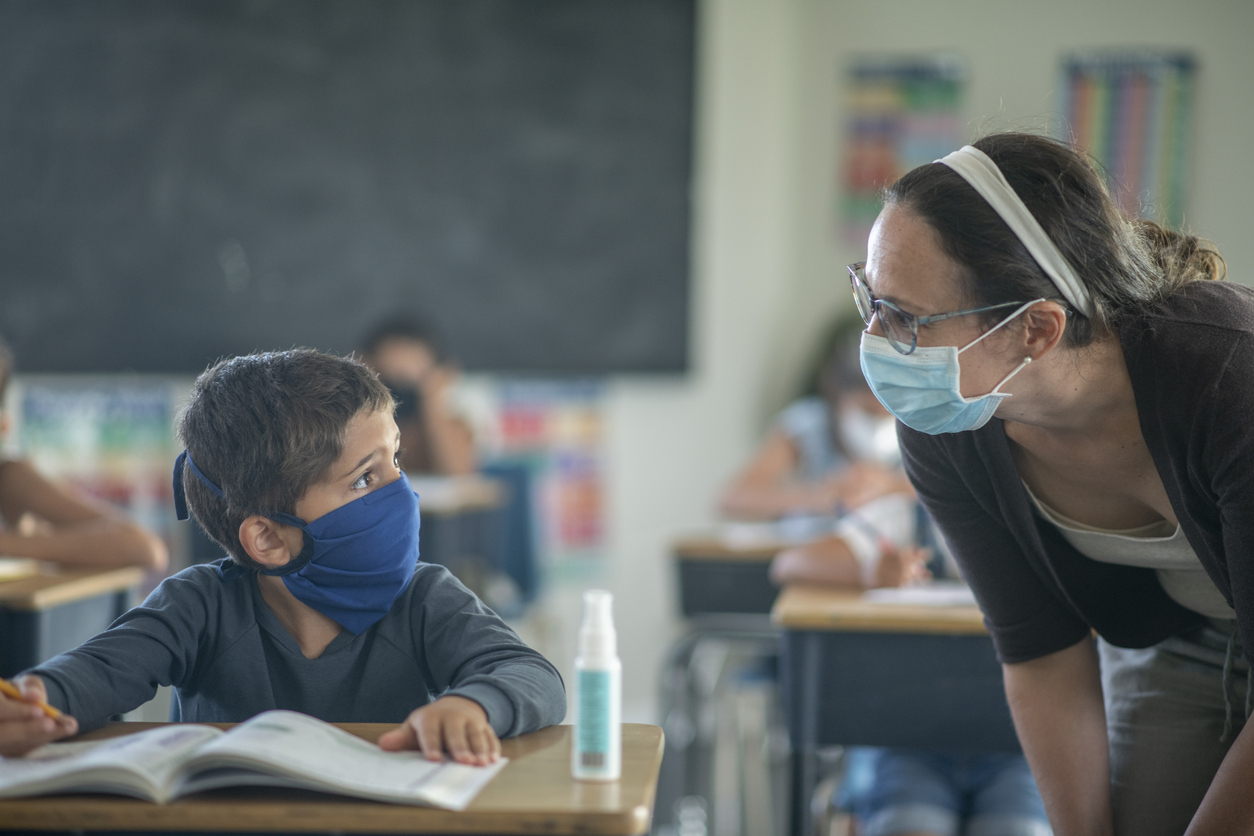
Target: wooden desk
x,y
717,577
855,673
533,794
59,609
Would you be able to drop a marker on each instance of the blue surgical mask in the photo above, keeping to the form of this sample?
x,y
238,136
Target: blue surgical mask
x,y
357,559
922,389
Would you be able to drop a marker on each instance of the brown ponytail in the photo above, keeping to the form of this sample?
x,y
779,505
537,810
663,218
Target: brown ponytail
x,y
1181,258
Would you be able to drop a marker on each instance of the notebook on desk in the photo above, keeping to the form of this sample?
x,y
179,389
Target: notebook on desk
x,y
275,748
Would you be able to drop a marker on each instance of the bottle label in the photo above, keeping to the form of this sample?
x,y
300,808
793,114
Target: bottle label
x,y
594,718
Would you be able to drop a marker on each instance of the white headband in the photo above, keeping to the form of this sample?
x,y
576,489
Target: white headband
x,y
986,178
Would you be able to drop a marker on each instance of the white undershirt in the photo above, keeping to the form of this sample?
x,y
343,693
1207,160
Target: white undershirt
x,y
1160,546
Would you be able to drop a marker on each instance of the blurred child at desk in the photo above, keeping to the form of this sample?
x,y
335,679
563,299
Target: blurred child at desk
x,y
409,359
837,455
831,464
44,520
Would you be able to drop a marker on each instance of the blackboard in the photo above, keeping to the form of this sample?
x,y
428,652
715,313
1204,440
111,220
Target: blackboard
x,y
182,180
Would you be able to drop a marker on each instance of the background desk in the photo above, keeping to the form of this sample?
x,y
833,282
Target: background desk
x,y
855,673
718,577
44,615
718,695
462,527
533,794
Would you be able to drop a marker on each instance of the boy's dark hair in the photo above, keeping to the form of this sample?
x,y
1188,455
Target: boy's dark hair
x,y
266,427
404,327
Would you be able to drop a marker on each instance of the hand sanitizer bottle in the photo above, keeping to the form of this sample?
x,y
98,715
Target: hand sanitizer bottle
x,y
596,752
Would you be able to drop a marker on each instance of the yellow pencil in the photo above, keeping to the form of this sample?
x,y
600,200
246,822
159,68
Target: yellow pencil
x,y
10,690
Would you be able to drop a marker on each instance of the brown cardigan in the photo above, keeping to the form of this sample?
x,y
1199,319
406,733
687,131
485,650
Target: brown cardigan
x,y
1191,361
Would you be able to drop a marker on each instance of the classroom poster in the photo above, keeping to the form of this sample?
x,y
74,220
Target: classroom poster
x,y
902,112
557,428
1131,112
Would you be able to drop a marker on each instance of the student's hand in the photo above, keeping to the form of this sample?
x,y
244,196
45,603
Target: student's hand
x,y
450,724
436,384
23,724
899,567
861,482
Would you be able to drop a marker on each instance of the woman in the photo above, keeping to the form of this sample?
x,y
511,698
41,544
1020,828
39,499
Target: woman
x,y
1077,399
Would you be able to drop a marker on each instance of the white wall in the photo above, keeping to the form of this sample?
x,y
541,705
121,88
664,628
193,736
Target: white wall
x,y
768,261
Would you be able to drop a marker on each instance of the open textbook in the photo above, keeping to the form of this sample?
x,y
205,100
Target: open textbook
x,y
276,748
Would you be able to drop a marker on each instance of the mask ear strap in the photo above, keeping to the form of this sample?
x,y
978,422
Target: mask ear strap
x,y
1005,379
1017,311
306,553
180,496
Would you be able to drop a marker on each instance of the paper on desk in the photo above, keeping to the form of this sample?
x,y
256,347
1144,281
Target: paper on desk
x,y
16,568
923,595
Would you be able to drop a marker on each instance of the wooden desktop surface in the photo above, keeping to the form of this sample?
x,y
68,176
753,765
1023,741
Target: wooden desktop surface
x,y
712,547
804,607
58,585
534,793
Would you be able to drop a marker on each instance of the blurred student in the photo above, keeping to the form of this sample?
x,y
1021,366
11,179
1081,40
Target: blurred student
x,y
833,453
41,519
410,361
833,449
837,455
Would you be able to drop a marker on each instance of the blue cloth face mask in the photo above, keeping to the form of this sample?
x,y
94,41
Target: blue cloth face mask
x,y
921,389
357,559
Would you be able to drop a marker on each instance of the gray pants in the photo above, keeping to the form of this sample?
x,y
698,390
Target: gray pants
x,y
1167,708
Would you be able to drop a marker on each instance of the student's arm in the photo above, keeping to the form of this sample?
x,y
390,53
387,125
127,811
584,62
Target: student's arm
x,y
77,532
1228,806
156,643
763,488
832,562
871,547
473,655
1056,702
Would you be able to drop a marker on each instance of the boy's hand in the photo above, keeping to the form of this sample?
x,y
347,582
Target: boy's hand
x,y
23,724
453,724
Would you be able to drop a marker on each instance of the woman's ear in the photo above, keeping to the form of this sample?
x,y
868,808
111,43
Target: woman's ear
x,y
270,543
1044,326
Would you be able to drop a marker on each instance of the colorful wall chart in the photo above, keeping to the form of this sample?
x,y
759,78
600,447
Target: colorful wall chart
x,y
902,112
1131,112
557,427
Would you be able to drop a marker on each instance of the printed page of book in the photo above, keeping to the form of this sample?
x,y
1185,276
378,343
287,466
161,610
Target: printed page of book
x,y
142,765
301,751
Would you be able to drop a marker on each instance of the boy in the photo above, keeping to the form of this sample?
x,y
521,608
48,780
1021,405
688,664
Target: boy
x,y
292,466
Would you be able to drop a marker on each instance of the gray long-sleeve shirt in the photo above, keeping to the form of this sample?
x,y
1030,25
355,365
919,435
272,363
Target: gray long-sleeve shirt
x,y
213,638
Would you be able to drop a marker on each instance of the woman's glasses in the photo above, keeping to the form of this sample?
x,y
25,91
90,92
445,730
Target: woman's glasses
x,y
901,328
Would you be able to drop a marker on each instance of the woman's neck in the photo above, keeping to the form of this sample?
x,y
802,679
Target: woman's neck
x,y
1084,391
312,630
